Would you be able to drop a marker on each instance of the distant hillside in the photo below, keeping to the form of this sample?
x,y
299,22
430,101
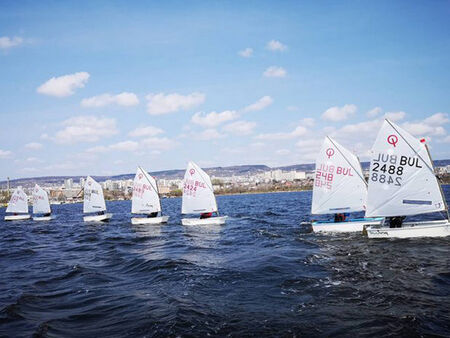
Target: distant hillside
x,y
238,170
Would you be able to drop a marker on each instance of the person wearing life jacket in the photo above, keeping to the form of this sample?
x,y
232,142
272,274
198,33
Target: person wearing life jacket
x,y
152,214
206,215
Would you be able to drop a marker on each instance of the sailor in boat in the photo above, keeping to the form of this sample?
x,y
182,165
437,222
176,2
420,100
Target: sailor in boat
x,y
101,212
395,222
208,215
47,214
339,218
152,214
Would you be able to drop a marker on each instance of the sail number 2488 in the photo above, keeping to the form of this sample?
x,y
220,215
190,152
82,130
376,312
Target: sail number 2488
x,y
382,173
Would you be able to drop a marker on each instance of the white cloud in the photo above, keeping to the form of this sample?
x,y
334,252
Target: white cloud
x,y
240,127
44,136
64,85
125,146
275,71
299,131
33,145
339,113
208,134
147,131
308,122
374,112
262,103
395,116
275,45
158,143
246,53
437,119
85,129
7,42
161,103
122,99
97,149
422,129
5,153
283,152
213,119
445,139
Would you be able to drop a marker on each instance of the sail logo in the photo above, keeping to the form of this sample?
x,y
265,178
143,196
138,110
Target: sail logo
x,y
392,140
140,176
330,152
192,172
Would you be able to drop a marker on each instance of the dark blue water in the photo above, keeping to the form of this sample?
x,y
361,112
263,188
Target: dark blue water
x,y
261,274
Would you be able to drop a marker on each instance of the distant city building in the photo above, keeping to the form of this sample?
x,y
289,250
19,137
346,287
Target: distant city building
x,y
68,183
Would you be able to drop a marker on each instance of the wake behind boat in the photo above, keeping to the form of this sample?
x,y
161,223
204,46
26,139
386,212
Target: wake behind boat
x,y
198,198
402,182
146,200
41,205
339,187
94,202
17,206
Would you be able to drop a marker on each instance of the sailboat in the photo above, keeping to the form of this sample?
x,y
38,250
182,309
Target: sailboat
x,y
402,182
339,187
145,200
94,202
18,206
41,205
198,198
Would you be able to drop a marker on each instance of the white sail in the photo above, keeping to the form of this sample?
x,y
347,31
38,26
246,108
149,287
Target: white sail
x,y
93,196
402,180
145,198
339,184
18,202
41,205
198,193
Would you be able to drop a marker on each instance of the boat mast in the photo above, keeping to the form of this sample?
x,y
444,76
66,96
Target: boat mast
x,y
438,181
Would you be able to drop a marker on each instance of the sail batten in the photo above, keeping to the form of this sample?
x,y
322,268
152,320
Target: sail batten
x,y
145,197
402,181
41,204
339,183
18,202
198,193
94,200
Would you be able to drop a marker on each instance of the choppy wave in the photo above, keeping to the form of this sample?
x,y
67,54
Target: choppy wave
x,y
262,274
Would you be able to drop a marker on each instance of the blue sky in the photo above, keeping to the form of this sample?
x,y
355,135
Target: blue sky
x,y
101,87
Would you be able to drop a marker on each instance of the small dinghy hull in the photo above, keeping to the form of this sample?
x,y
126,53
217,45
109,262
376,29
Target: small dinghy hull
x,y
204,221
149,220
16,217
353,225
98,218
439,228
42,218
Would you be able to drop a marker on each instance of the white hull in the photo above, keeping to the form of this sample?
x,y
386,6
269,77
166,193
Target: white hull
x,y
204,221
97,218
412,229
149,220
16,217
42,218
351,226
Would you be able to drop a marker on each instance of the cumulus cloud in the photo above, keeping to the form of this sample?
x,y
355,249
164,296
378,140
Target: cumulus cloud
x,y
395,116
125,146
5,153
374,112
33,145
240,127
299,131
262,103
64,85
308,122
213,119
432,125
283,152
437,119
159,104
122,99
246,53
275,45
147,131
158,143
7,42
208,134
152,144
339,113
85,129
275,71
